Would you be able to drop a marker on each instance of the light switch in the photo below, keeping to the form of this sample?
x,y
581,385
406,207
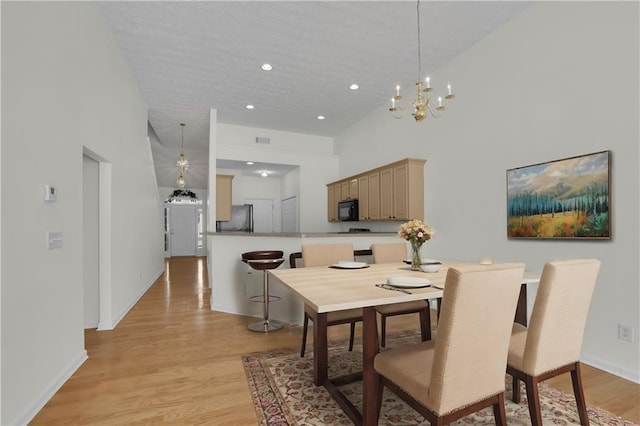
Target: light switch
x,y
55,240
50,193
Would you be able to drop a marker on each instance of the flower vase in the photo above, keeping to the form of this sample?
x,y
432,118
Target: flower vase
x,y
415,256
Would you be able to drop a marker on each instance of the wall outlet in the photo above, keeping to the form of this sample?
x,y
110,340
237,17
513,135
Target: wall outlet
x,y
625,332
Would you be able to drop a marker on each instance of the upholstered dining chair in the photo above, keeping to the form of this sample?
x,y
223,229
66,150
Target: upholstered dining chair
x,y
462,370
397,252
325,255
552,343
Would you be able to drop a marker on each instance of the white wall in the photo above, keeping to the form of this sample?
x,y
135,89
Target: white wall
x,y
558,81
64,86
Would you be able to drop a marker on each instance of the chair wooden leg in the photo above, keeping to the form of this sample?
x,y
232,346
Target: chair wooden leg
x,y
576,380
499,412
515,392
439,303
425,324
352,335
533,399
379,393
383,330
305,328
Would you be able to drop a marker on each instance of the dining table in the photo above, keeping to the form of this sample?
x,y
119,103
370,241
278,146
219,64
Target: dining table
x,y
351,285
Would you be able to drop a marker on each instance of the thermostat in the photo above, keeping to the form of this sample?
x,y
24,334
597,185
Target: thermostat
x,y
50,193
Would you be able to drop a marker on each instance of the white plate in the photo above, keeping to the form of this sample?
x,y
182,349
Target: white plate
x,y
344,264
408,282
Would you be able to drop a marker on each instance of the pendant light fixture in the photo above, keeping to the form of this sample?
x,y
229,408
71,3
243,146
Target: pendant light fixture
x,y
182,164
422,103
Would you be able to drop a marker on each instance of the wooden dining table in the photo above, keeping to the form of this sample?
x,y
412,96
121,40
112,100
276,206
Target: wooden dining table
x,y
334,288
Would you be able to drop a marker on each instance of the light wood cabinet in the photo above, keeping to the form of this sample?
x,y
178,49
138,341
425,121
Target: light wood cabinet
x,y
391,192
332,203
374,196
363,198
223,197
334,195
369,196
353,189
386,193
344,190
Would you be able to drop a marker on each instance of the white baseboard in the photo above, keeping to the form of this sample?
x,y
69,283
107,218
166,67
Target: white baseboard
x,y
633,376
126,310
52,389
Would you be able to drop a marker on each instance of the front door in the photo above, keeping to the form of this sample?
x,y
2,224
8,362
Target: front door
x,y
183,230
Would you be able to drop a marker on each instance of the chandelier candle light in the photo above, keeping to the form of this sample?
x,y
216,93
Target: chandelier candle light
x,y
417,233
421,104
182,164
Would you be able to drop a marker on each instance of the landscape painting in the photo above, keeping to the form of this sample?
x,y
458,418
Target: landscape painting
x,y
562,199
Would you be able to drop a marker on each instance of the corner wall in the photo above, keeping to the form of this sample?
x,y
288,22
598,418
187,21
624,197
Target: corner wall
x,y
559,80
65,86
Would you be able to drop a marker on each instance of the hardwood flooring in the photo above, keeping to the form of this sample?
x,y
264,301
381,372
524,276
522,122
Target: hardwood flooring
x,y
173,360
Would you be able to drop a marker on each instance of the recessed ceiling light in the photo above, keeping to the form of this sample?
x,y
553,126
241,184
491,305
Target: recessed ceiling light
x,y
249,106
321,117
249,163
354,87
266,67
264,174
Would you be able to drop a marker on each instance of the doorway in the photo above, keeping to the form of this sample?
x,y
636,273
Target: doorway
x,y
90,242
97,211
183,230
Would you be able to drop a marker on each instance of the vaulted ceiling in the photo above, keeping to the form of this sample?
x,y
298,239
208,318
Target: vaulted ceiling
x,y
189,57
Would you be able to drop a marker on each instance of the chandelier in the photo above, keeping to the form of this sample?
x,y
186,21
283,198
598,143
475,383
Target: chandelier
x,y
182,164
422,103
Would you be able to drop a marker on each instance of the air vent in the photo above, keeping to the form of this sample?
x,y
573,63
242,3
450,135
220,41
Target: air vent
x,y
266,141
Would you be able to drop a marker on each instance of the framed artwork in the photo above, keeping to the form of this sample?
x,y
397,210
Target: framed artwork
x,y
561,199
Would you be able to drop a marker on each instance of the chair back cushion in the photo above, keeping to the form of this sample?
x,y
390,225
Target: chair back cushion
x,y
325,254
554,337
470,353
389,252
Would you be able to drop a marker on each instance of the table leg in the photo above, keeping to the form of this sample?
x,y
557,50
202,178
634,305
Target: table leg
x,y
320,349
369,351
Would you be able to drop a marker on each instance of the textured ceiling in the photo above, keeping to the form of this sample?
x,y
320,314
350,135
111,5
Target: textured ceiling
x,y
188,57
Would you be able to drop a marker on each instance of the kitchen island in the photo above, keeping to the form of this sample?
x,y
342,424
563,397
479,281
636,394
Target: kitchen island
x,y
233,282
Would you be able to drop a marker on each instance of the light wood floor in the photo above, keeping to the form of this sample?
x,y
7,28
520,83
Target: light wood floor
x,y
173,360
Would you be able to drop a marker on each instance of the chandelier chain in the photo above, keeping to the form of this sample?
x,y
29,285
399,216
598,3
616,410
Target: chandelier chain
x,y
419,46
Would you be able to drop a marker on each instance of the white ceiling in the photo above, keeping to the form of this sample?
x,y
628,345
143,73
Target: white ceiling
x,y
189,57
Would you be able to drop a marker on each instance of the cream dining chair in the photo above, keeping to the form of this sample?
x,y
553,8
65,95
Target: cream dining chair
x,y
552,343
325,255
396,253
463,369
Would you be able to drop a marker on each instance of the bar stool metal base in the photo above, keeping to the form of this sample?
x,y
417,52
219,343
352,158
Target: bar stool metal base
x,y
265,326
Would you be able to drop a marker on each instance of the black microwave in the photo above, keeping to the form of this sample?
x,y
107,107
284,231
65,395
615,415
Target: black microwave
x,y
348,210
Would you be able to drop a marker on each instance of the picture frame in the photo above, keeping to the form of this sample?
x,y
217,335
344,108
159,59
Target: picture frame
x,y
566,199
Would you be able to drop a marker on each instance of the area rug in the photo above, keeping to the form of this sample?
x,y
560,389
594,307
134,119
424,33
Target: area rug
x,y
283,392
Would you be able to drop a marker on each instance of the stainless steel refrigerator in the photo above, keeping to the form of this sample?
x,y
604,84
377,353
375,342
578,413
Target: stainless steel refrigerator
x,y
241,220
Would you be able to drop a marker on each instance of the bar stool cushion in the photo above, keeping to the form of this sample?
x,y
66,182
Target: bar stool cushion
x,y
263,259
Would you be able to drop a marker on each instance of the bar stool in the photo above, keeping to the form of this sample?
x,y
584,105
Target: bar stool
x,y
262,261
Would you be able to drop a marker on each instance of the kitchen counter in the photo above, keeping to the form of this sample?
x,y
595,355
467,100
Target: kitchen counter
x,y
232,282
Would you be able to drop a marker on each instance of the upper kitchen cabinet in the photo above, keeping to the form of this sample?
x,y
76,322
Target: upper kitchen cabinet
x,y
223,197
391,192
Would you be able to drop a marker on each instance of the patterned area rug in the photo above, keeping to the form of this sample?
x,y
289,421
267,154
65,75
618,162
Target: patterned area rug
x,y
281,385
